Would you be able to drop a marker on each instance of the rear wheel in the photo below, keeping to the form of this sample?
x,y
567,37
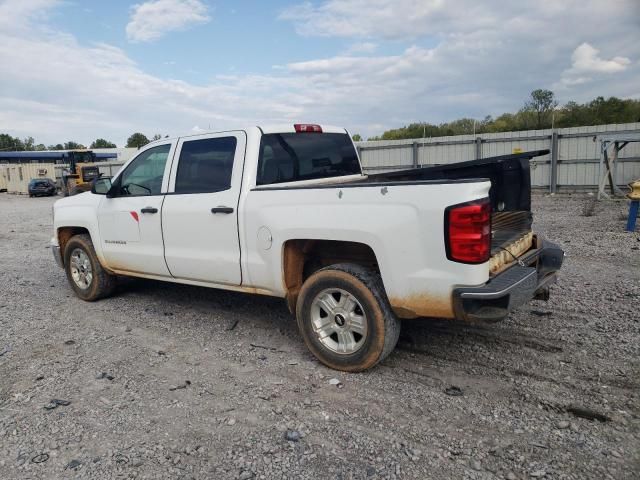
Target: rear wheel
x,y
86,276
345,318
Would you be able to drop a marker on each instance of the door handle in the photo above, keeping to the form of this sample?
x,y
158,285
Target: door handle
x,y
149,210
222,210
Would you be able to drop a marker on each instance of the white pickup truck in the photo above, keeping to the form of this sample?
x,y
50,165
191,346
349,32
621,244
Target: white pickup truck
x,y
286,211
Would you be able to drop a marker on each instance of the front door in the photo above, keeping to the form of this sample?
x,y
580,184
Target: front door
x,y
130,222
200,211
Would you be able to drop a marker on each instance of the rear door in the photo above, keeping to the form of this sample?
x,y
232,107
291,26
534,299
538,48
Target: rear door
x,y
200,212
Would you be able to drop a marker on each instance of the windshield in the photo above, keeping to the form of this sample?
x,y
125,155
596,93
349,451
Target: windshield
x,y
82,157
289,157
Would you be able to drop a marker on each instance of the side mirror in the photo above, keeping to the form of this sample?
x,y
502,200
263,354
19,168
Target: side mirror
x,y
101,186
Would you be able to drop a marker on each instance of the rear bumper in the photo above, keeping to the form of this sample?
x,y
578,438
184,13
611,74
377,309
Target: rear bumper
x,y
511,288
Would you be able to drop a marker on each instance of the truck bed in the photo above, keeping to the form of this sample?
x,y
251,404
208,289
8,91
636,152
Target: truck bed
x,y
510,194
510,191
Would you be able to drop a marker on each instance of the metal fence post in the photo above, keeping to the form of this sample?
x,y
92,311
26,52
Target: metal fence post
x,y
553,180
415,154
478,148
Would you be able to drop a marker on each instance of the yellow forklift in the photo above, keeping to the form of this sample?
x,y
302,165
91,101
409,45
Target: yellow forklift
x,y
81,172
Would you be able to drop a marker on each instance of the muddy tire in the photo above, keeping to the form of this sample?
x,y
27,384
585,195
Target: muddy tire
x,y
345,319
86,276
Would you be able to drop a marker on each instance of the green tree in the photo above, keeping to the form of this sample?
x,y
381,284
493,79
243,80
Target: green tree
x,y
29,143
463,126
599,111
157,136
102,143
57,146
357,137
503,123
40,147
71,145
137,140
571,114
542,103
9,143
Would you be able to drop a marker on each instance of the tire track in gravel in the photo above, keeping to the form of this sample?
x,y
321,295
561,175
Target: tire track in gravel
x,y
470,336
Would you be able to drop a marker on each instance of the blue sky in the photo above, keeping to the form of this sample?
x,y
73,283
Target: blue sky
x,y
86,69
240,37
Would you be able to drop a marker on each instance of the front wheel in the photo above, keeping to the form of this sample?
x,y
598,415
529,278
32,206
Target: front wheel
x,y
345,318
86,276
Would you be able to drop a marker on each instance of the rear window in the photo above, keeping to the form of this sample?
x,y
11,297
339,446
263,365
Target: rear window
x,y
290,157
40,183
89,173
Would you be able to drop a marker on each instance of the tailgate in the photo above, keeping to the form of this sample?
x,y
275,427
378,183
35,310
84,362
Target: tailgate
x,y
511,236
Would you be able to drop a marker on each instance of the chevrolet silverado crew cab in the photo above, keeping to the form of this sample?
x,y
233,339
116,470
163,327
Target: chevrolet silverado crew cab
x,y
286,211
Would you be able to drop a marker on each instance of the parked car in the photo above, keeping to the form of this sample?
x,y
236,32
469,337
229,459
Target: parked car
x,y
287,212
42,186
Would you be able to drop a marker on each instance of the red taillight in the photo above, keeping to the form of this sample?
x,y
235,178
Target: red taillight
x,y
307,128
468,232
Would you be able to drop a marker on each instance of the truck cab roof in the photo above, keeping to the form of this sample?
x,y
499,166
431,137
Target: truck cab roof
x,y
265,129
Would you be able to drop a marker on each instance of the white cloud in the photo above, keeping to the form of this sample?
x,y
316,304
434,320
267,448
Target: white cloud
x,y
586,63
111,96
153,19
347,18
465,72
13,13
410,19
585,59
491,45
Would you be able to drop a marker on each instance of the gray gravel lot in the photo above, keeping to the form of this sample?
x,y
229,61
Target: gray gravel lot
x,y
170,381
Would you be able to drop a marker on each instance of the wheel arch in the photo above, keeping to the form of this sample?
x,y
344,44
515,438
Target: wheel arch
x,y
64,234
303,257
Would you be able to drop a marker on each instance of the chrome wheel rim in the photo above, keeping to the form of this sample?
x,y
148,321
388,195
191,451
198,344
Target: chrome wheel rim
x,y
339,321
81,270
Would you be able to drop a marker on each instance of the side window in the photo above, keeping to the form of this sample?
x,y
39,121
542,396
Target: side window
x,y
205,166
144,175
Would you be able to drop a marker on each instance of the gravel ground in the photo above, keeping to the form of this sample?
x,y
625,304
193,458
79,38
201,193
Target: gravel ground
x,y
170,381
